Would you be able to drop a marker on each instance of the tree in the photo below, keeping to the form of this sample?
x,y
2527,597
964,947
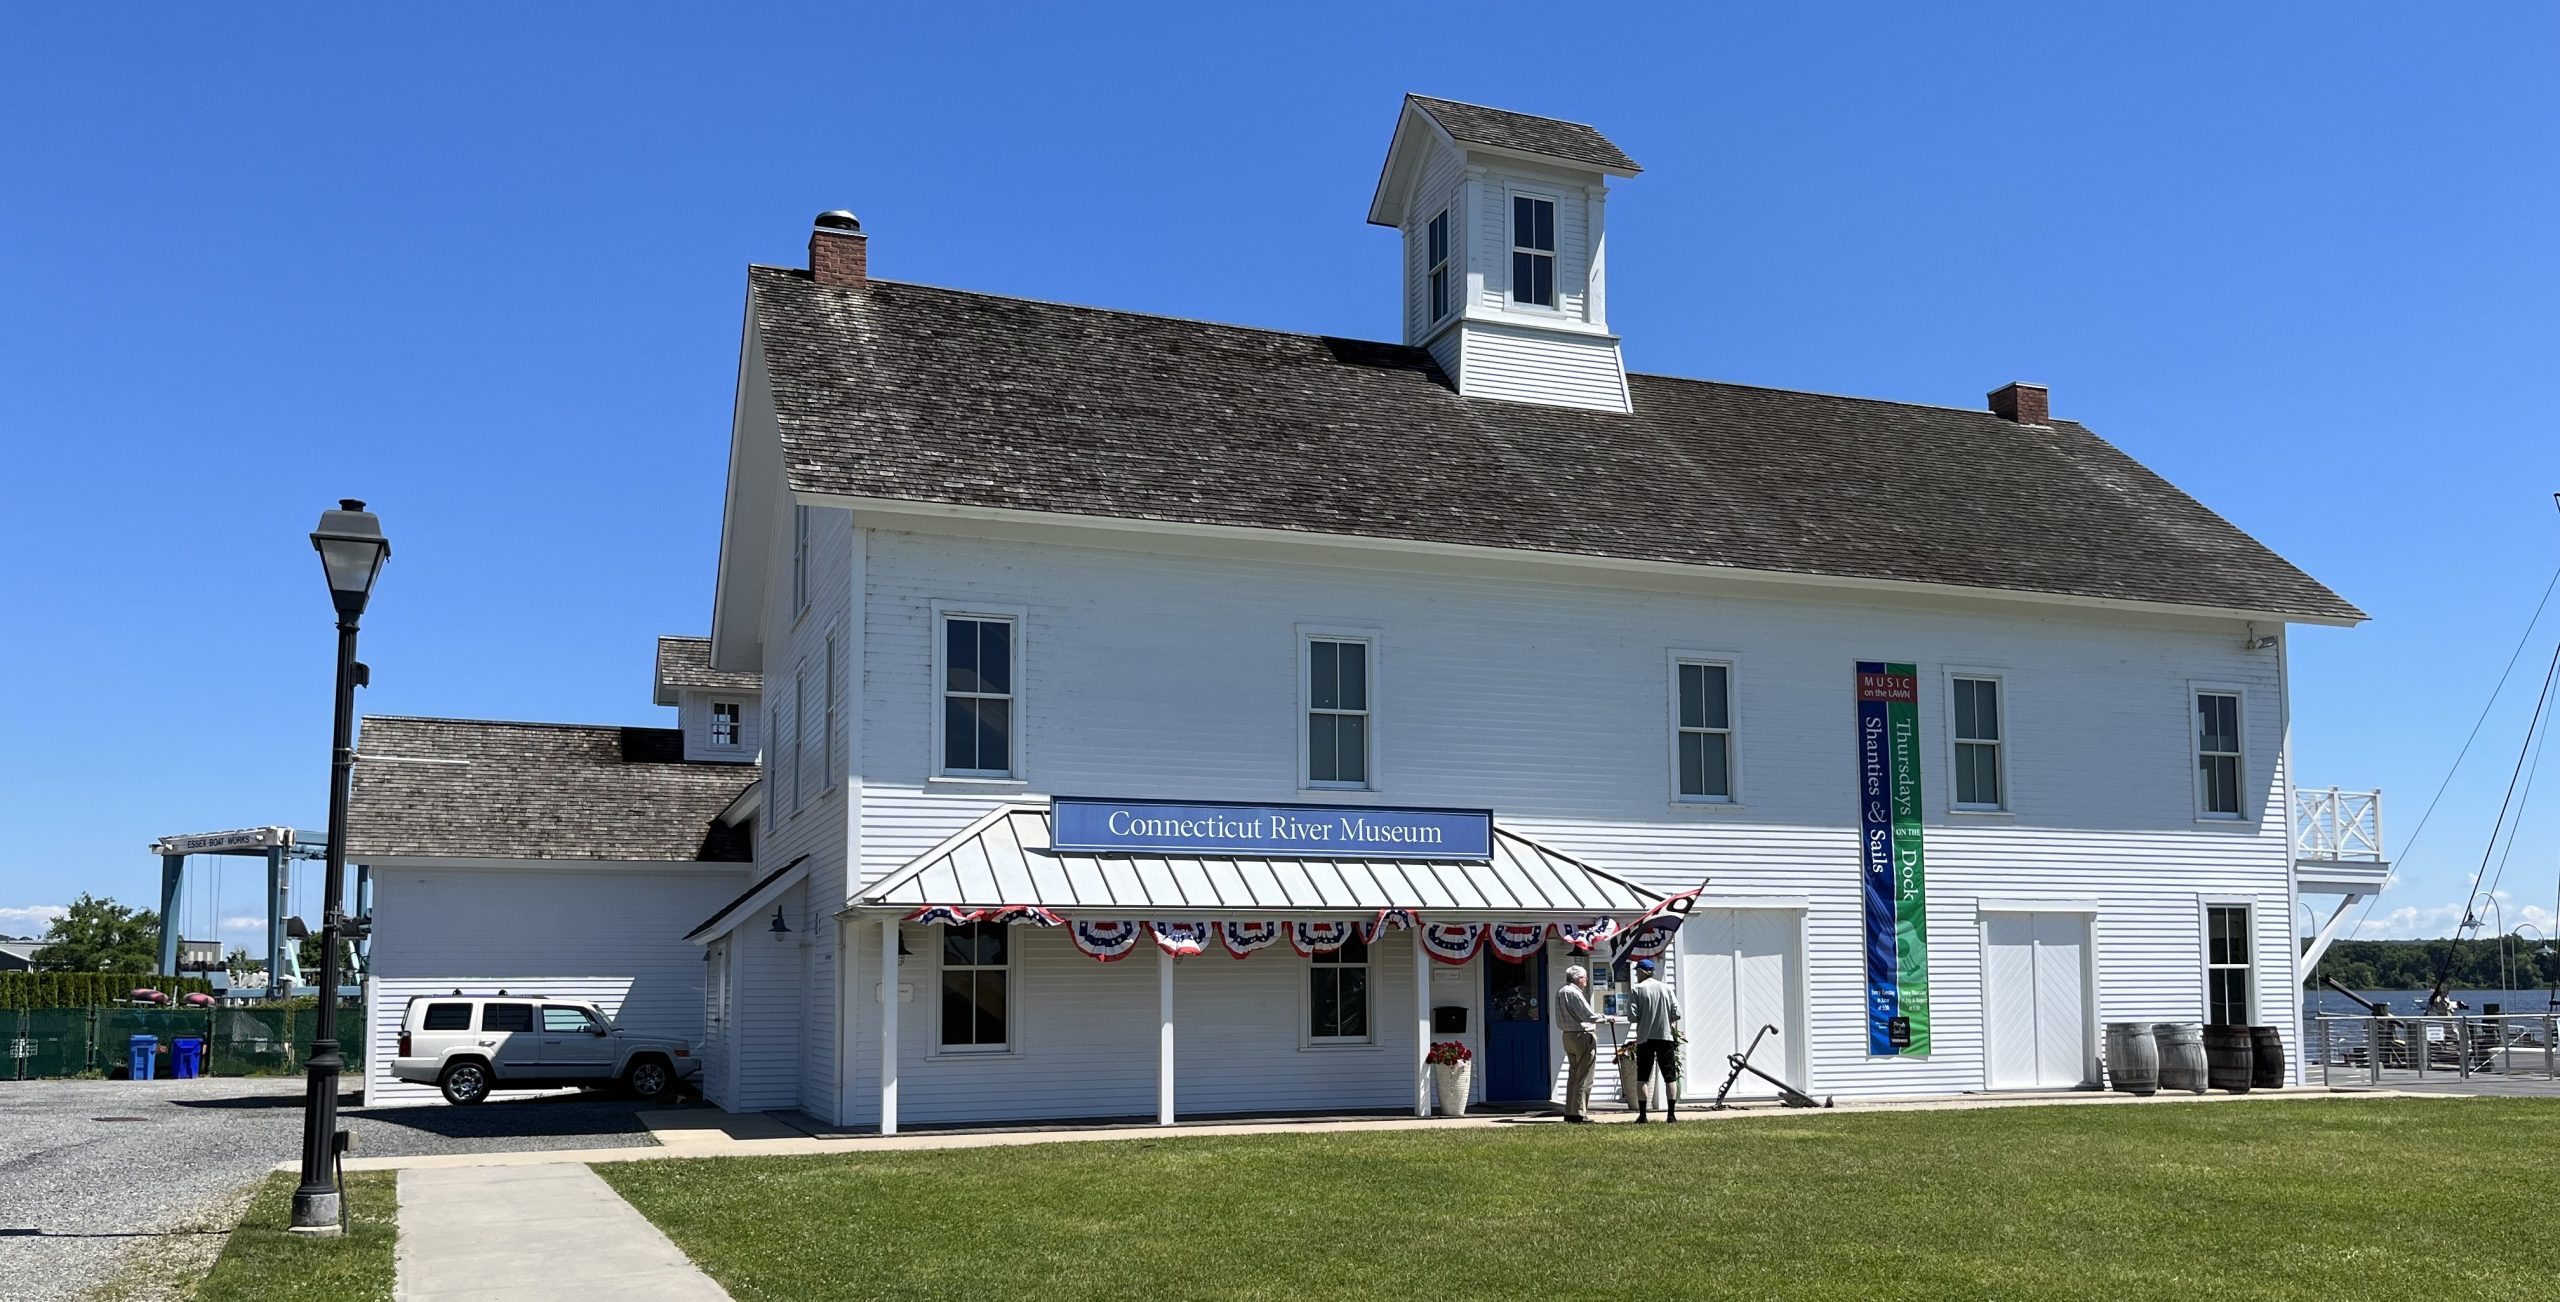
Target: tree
x,y
238,963
101,936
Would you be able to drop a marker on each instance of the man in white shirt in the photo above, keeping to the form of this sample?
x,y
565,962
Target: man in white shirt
x,y
1576,1021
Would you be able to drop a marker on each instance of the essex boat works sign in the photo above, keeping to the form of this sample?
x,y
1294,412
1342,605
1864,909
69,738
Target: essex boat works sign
x,y
1093,826
1892,868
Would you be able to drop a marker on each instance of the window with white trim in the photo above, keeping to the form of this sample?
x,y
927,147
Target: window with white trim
x,y
1980,775
2227,966
979,674
724,723
2218,754
1337,712
799,736
1338,992
1704,725
1533,250
977,978
1436,257
827,739
799,559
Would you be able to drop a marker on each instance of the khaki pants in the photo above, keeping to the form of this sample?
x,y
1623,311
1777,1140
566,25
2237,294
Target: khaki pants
x,y
1579,1049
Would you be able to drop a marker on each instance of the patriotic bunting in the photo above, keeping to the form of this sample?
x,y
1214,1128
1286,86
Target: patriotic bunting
x,y
1649,935
1025,914
1181,939
1311,938
945,914
1107,941
1581,938
1453,942
1404,919
1514,942
1242,938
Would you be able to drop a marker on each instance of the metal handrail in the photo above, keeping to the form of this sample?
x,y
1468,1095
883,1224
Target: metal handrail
x,y
2478,1043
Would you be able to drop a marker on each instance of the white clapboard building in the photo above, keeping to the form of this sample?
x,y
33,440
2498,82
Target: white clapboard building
x,y
1388,676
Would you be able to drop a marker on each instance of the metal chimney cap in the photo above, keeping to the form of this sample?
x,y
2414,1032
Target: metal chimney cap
x,y
839,220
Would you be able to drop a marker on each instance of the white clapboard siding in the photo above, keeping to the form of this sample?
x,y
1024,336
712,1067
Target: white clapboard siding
x,y
1150,674
603,927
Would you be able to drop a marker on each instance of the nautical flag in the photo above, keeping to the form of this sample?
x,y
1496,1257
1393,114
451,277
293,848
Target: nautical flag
x,y
1107,941
1651,933
1242,938
1309,938
1181,939
1514,942
1376,927
1453,942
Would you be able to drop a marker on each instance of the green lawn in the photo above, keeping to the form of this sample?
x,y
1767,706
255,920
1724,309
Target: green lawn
x,y
2312,1199
265,1263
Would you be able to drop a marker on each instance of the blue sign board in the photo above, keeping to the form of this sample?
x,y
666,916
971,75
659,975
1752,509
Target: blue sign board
x,y
1084,825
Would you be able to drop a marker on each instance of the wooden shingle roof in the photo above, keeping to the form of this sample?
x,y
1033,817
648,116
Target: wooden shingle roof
x,y
481,789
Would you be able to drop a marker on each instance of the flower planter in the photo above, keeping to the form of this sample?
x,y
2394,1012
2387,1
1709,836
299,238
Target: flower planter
x,y
1450,1083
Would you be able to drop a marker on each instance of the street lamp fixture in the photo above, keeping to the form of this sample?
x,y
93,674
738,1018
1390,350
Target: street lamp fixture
x,y
352,550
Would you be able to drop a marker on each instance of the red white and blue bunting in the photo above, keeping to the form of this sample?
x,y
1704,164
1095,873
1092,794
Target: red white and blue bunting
x,y
1310,938
1181,939
1514,942
1580,937
1107,941
1242,938
945,914
1402,919
1453,942
1003,915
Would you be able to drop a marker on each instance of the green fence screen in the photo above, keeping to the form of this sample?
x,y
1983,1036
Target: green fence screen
x,y
47,1043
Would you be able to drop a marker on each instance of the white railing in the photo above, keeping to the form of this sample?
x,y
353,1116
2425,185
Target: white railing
x,y
2332,824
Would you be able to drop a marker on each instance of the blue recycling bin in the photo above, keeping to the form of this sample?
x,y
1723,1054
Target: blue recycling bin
x,y
187,1062
141,1050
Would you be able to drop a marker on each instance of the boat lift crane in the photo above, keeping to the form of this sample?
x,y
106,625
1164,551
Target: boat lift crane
x,y
279,846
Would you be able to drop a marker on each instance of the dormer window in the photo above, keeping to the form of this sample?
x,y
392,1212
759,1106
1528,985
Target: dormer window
x,y
1437,240
1533,250
724,723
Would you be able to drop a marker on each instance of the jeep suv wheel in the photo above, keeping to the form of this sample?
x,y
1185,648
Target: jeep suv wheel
x,y
649,1078
465,1082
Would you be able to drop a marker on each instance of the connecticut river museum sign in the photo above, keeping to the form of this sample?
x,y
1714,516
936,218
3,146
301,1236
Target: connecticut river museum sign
x,y
1091,826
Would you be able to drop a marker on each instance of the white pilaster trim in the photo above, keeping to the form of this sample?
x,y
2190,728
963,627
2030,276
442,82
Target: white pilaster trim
x,y
1421,1025
889,1025
1164,1036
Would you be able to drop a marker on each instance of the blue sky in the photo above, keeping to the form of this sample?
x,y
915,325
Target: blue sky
x,y
483,265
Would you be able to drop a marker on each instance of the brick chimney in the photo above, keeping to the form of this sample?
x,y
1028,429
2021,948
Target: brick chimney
x,y
2023,403
837,253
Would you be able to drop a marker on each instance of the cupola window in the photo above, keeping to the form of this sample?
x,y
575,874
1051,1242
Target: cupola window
x,y
1438,241
1533,250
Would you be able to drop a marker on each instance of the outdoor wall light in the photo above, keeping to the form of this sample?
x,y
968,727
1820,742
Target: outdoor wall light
x,y
780,928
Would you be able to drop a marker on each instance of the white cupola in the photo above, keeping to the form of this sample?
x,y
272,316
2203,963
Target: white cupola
x,y
1504,251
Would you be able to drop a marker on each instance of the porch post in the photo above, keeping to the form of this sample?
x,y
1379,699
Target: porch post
x,y
1164,1037
889,1025
1421,1025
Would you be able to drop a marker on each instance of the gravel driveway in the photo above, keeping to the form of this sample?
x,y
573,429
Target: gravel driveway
x,y
91,1168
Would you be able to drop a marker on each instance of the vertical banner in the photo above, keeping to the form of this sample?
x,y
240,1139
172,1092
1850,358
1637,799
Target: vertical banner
x,y
1892,870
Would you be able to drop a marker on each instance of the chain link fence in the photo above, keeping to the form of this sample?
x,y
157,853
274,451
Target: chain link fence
x,y
255,1040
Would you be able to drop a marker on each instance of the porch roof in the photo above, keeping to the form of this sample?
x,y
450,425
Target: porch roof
x,y
1004,859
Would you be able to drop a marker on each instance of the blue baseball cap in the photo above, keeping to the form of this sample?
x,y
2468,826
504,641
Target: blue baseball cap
x,y
1645,965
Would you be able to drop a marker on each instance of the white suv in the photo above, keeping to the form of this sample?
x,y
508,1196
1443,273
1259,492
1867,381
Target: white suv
x,y
468,1045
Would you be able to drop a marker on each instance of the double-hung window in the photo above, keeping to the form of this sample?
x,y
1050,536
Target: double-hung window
x,y
724,723
977,972
2218,754
1337,712
1436,246
978,677
1338,993
2226,965
1975,705
799,559
827,739
1705,730
800,783
1533,250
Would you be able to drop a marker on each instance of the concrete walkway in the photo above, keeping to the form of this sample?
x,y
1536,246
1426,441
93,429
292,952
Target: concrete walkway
x,y
535,1232
698,1133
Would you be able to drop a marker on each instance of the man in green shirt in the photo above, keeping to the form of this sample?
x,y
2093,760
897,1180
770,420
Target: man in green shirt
x,y
1655,1014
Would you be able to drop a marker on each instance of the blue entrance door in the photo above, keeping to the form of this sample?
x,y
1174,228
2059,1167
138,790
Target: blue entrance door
x,y
1515,1029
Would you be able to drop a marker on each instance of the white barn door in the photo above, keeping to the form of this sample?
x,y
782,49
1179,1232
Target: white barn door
x,y
2037,1009
1737,974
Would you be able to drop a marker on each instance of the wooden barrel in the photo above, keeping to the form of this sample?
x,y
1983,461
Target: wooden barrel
x,y
2228,1057
2266,1070
2182,1063
2133,1058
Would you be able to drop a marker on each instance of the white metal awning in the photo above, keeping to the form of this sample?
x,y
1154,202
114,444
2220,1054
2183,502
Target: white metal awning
x,y
1005,859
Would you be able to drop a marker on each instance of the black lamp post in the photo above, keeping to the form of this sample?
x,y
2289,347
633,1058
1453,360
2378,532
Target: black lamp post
x,y
352,550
